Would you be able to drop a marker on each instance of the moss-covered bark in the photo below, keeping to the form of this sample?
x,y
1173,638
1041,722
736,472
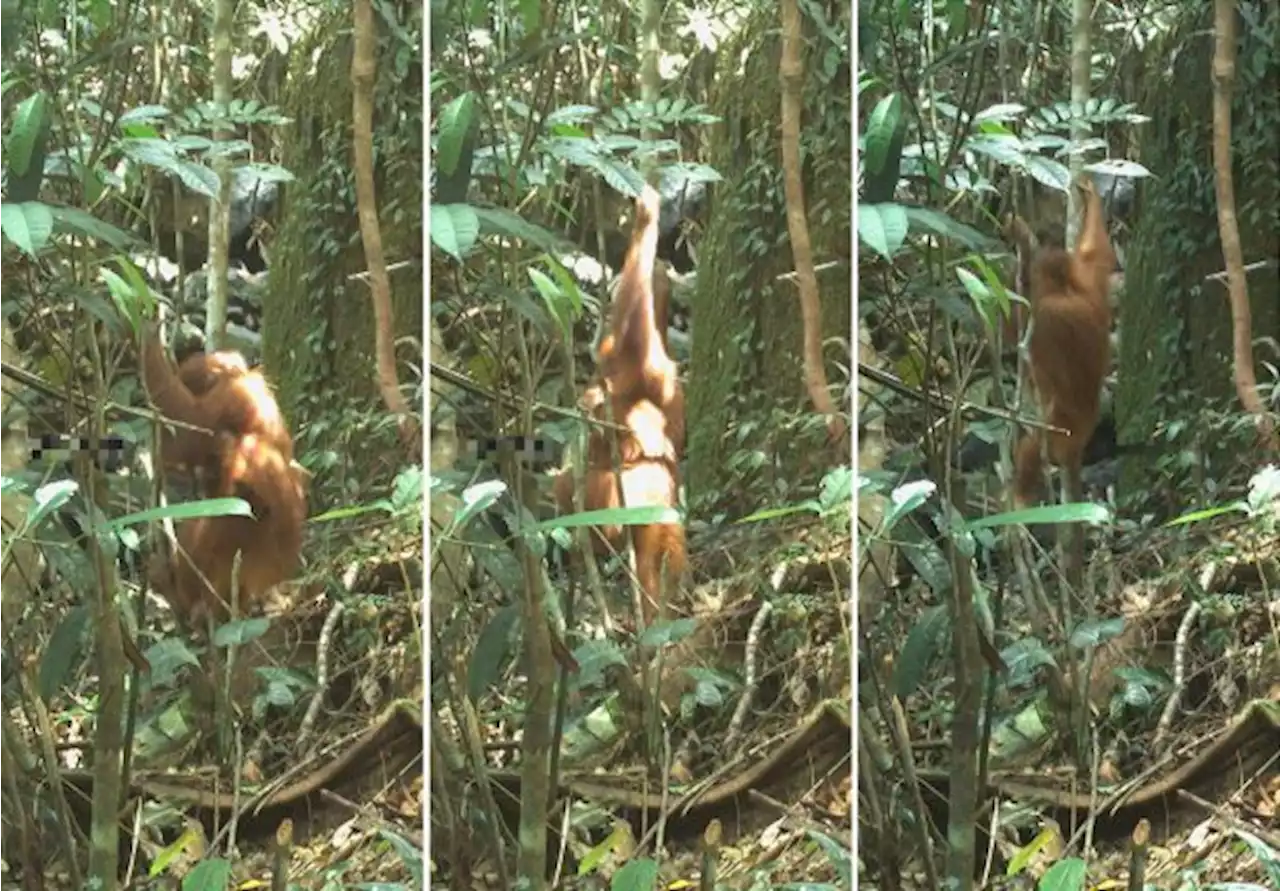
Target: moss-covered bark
x,y
317,322
746,360
1175,345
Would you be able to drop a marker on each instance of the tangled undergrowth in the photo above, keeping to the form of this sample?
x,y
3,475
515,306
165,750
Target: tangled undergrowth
x,y
1183,738
302,724
755,681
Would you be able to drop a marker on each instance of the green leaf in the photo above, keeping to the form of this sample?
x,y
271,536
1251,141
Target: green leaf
x,y
667,632
163,155
637,875
880,130
1083,512
774,513
568,285
622,177
410,855
1022,859
64,647
455,228
1023,657
346,513
1001,297
1005,149
593,658
47,499
143,114
406,490
492,651
455,122
690,173
882,227
925,556
903,500
75,221
188,840
1006,111
707,695
555,301
475,500
1049,173
188,510
571,114
1095,632
136,298
190,142
940,223
158,153
983,300
1119,167
1266,855
500,221
580,151
28,225
28,118
166,657
120,290
276,695
620,142
836,489
617,516
265,173
924,641
1041,142
1065,875
197,177
838,855
105,309
240,631
208,875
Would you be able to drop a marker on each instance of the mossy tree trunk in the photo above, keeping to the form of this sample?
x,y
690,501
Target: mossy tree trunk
x,y
746,362
1175,345
318,322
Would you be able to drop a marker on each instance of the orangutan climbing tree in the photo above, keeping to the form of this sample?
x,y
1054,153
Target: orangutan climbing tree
x,y
791,71
1224,73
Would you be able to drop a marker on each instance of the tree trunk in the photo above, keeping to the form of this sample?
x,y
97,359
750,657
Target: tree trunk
x,y
1224,72
1081,11
791,71
215,326
363,68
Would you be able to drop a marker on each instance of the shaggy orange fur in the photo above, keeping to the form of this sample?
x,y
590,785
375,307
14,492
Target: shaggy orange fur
x,y
639,379
247,452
